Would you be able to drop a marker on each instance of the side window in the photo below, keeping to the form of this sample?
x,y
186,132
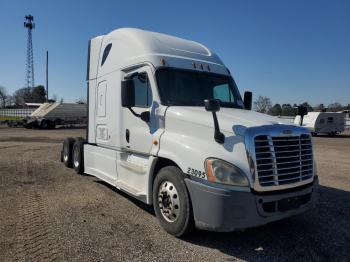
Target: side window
x,y
322,121
223,93
106,53
143,92
330,120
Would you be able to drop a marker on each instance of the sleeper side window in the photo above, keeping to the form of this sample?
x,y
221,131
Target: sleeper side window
x,y
106,53
330,120
143,92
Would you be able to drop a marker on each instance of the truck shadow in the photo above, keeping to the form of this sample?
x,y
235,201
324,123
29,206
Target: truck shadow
x,y
136,202
321,234
336,136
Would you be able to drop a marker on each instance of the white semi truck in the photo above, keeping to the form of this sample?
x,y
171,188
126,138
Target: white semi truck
x,y
167,125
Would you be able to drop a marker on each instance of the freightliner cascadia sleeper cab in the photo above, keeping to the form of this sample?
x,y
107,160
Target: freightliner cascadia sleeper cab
x,y
167,125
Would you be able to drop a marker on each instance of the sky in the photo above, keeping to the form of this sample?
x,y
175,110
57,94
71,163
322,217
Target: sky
x,y
290,51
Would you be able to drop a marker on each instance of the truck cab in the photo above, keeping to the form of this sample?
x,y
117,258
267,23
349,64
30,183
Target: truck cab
x,y
167,125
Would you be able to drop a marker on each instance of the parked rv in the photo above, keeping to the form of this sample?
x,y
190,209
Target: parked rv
x,y
48,115
168,126
323,122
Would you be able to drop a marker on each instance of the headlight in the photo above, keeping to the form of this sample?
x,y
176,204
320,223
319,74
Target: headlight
x,y
219,171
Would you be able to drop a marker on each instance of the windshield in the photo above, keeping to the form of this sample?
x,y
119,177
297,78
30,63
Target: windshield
x,y
191,88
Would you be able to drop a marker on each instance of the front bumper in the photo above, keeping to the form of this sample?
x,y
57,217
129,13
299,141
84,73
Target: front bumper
x,y
223,210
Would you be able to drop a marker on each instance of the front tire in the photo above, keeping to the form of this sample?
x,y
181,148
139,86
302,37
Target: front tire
x,y
171,202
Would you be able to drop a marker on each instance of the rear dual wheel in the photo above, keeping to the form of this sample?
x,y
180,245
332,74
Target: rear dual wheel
x,y
47,124
78,156
72,154
66,154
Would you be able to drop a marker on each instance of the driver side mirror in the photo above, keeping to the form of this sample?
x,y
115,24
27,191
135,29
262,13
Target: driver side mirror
x,y
302,111
248,98
128,93
212,105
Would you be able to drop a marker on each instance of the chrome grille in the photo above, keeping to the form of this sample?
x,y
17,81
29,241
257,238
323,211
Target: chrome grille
x,y
283,160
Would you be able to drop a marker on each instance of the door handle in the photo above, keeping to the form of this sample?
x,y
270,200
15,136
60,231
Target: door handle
x,y
127,135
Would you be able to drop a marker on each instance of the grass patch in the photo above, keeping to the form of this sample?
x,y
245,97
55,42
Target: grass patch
x,y
4,118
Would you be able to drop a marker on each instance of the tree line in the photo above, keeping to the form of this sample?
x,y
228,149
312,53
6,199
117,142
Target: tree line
x,y
27,95
21,96
264,105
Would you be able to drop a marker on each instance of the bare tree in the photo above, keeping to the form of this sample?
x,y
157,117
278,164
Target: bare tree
x,y
335,107
81,101
320,107
288,110
3,96
276,110
262,104
53,98
308,106
22,96
38,94
10,101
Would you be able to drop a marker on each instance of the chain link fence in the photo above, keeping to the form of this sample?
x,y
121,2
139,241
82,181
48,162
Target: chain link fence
x,y
18,112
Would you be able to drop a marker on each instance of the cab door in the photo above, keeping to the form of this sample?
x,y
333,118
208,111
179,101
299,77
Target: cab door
x,y
133,161
138,133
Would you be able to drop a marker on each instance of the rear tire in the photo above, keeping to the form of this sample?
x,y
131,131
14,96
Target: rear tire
x,y
171,202
44,124
78,156
52,125
332,133
67,151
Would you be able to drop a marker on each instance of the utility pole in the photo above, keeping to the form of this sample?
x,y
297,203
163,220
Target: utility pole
x,y
29,80
47,76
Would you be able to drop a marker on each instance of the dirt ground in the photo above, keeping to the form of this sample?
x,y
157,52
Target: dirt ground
x,y
48,213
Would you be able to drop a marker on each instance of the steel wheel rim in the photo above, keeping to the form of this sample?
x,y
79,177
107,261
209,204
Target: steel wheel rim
x,y
168,201
76,158
65,154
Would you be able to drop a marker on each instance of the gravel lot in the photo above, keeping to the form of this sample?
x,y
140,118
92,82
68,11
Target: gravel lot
x,y
47,213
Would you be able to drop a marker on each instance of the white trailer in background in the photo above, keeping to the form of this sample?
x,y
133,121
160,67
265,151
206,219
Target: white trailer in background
x,y
48,115
323,122
168,126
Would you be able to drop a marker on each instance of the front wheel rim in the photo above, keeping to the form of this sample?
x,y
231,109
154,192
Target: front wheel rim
x,y
168,201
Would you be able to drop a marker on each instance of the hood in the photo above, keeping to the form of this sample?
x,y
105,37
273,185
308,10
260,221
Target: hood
x,y
231,120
